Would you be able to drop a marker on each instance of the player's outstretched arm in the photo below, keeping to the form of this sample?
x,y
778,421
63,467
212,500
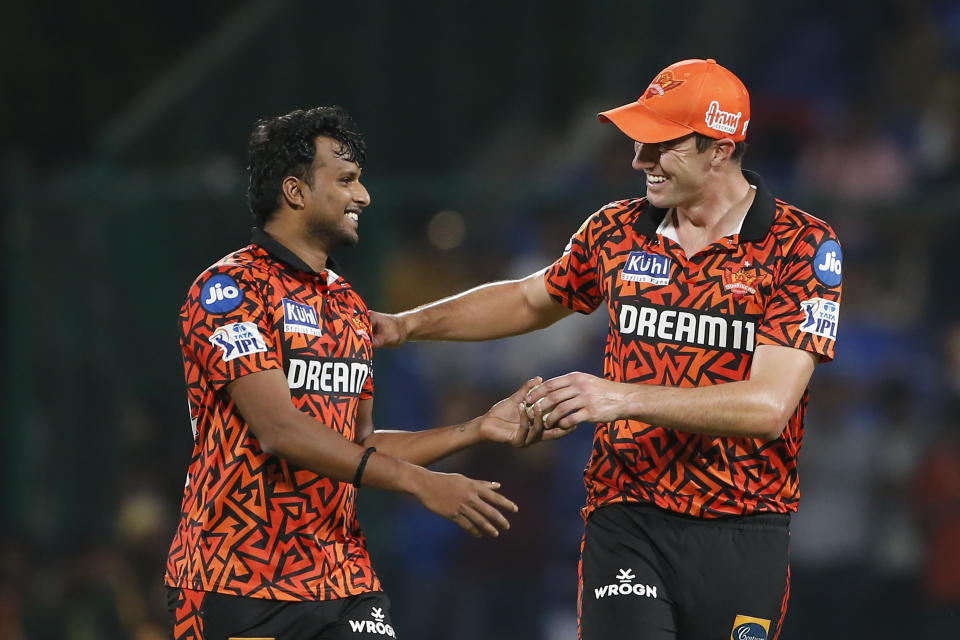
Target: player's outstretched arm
x,y
506,422
494,310
263,399
755,408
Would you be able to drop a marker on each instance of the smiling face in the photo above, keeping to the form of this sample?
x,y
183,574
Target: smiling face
x,y
675,170
334,197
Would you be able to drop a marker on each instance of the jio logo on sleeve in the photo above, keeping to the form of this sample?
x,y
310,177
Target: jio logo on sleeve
x,y
828,263
220,294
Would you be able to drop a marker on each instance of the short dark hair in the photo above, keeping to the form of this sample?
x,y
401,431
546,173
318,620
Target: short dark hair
x,y
286,145
703,143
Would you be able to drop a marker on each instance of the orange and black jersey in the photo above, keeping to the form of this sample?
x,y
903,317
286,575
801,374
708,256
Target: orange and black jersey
x,y
254,524
689,321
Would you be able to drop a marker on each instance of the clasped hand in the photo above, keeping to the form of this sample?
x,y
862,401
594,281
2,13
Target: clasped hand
x,y
515,421
567,400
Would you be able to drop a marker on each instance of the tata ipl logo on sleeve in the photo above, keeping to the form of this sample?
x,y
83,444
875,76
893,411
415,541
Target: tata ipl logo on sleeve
x,y
220,294
300,318
647,267
820,317
828,263
238,339
747,628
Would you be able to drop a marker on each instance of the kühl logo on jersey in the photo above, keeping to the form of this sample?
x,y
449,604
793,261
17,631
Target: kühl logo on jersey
x,y
300,318
625,588
647,267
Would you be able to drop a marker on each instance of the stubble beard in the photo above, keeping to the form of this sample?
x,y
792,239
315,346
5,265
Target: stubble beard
x,y
329,236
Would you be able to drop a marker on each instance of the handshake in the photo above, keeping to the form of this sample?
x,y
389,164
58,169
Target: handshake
x,y
536,411
532,409
554,407
519,421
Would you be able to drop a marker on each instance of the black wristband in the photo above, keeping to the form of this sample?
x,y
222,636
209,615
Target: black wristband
x,y
360,467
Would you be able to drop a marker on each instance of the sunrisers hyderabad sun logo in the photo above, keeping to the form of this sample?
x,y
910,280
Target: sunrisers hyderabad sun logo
x,y
361,326
740,283
661,84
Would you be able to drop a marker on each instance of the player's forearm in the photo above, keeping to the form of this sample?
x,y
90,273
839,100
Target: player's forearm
x,y
494,310
301,440
428,446
737,409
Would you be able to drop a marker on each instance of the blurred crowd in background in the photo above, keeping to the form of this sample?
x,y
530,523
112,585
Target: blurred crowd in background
x,y
856,119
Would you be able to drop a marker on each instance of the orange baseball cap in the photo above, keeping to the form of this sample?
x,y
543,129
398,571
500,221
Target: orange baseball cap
x,y
688,96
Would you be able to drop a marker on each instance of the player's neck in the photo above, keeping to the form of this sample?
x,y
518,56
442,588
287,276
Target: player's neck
x,y
716,213
285,231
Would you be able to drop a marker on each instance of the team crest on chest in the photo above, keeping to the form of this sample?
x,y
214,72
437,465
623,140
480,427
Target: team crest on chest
x,y
741,282
360,326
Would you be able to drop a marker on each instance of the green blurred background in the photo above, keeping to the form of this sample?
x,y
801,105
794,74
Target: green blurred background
x,y
122,176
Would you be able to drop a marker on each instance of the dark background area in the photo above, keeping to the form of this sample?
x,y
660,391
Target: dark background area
x,y
122,152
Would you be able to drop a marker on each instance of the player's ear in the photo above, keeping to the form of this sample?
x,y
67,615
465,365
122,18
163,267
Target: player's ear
x,y
292,191
722,150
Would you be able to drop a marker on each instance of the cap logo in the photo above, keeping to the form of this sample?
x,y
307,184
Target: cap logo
x,y
661,84
720,120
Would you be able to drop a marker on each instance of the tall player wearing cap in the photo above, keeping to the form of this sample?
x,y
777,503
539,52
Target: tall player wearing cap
x,y
721,299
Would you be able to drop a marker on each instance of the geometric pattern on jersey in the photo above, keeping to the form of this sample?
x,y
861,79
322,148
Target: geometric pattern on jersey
x,y
185,608
695,321
253,524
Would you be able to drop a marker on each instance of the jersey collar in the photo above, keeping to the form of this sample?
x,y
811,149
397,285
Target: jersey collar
x,y
756,224
280,252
